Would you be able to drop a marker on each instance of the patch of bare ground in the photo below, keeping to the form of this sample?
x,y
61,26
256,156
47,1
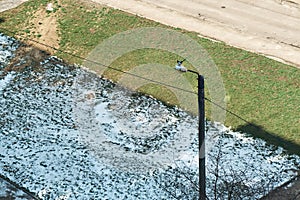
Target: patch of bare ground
x,y
45,30
26,56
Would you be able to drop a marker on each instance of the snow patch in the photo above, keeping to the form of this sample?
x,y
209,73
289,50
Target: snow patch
x,y
67,134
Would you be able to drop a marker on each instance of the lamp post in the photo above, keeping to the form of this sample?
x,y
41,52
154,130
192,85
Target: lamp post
x,y
201,129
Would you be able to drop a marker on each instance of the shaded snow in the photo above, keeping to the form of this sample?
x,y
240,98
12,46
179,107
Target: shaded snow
x,y
8,191
7,47
5,81
67,134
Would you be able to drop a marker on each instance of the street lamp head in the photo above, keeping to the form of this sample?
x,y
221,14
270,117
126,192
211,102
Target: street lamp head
x,y
180,67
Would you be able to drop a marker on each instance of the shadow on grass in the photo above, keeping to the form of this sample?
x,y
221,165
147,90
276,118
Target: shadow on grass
x,y
257,131
2,20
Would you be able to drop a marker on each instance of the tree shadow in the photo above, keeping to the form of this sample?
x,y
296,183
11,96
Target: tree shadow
x,y
258,131
2,20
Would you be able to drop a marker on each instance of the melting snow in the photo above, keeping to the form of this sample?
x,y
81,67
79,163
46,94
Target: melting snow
x,y
67,134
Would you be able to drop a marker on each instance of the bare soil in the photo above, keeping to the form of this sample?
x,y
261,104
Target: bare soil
x,y
45,25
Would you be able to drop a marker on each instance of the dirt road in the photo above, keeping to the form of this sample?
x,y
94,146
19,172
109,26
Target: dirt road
x,y
270,27
9,4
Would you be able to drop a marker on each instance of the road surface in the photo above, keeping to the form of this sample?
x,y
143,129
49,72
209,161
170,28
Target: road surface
x,y
269,27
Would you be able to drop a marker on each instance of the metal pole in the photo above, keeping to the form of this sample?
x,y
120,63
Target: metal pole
x,y
201,137
201,131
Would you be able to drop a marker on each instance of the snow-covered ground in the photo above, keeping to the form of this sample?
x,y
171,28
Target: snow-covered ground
x,y
9,191
67,134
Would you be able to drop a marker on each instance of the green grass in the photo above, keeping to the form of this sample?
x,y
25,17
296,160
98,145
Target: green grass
x,y
260,90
